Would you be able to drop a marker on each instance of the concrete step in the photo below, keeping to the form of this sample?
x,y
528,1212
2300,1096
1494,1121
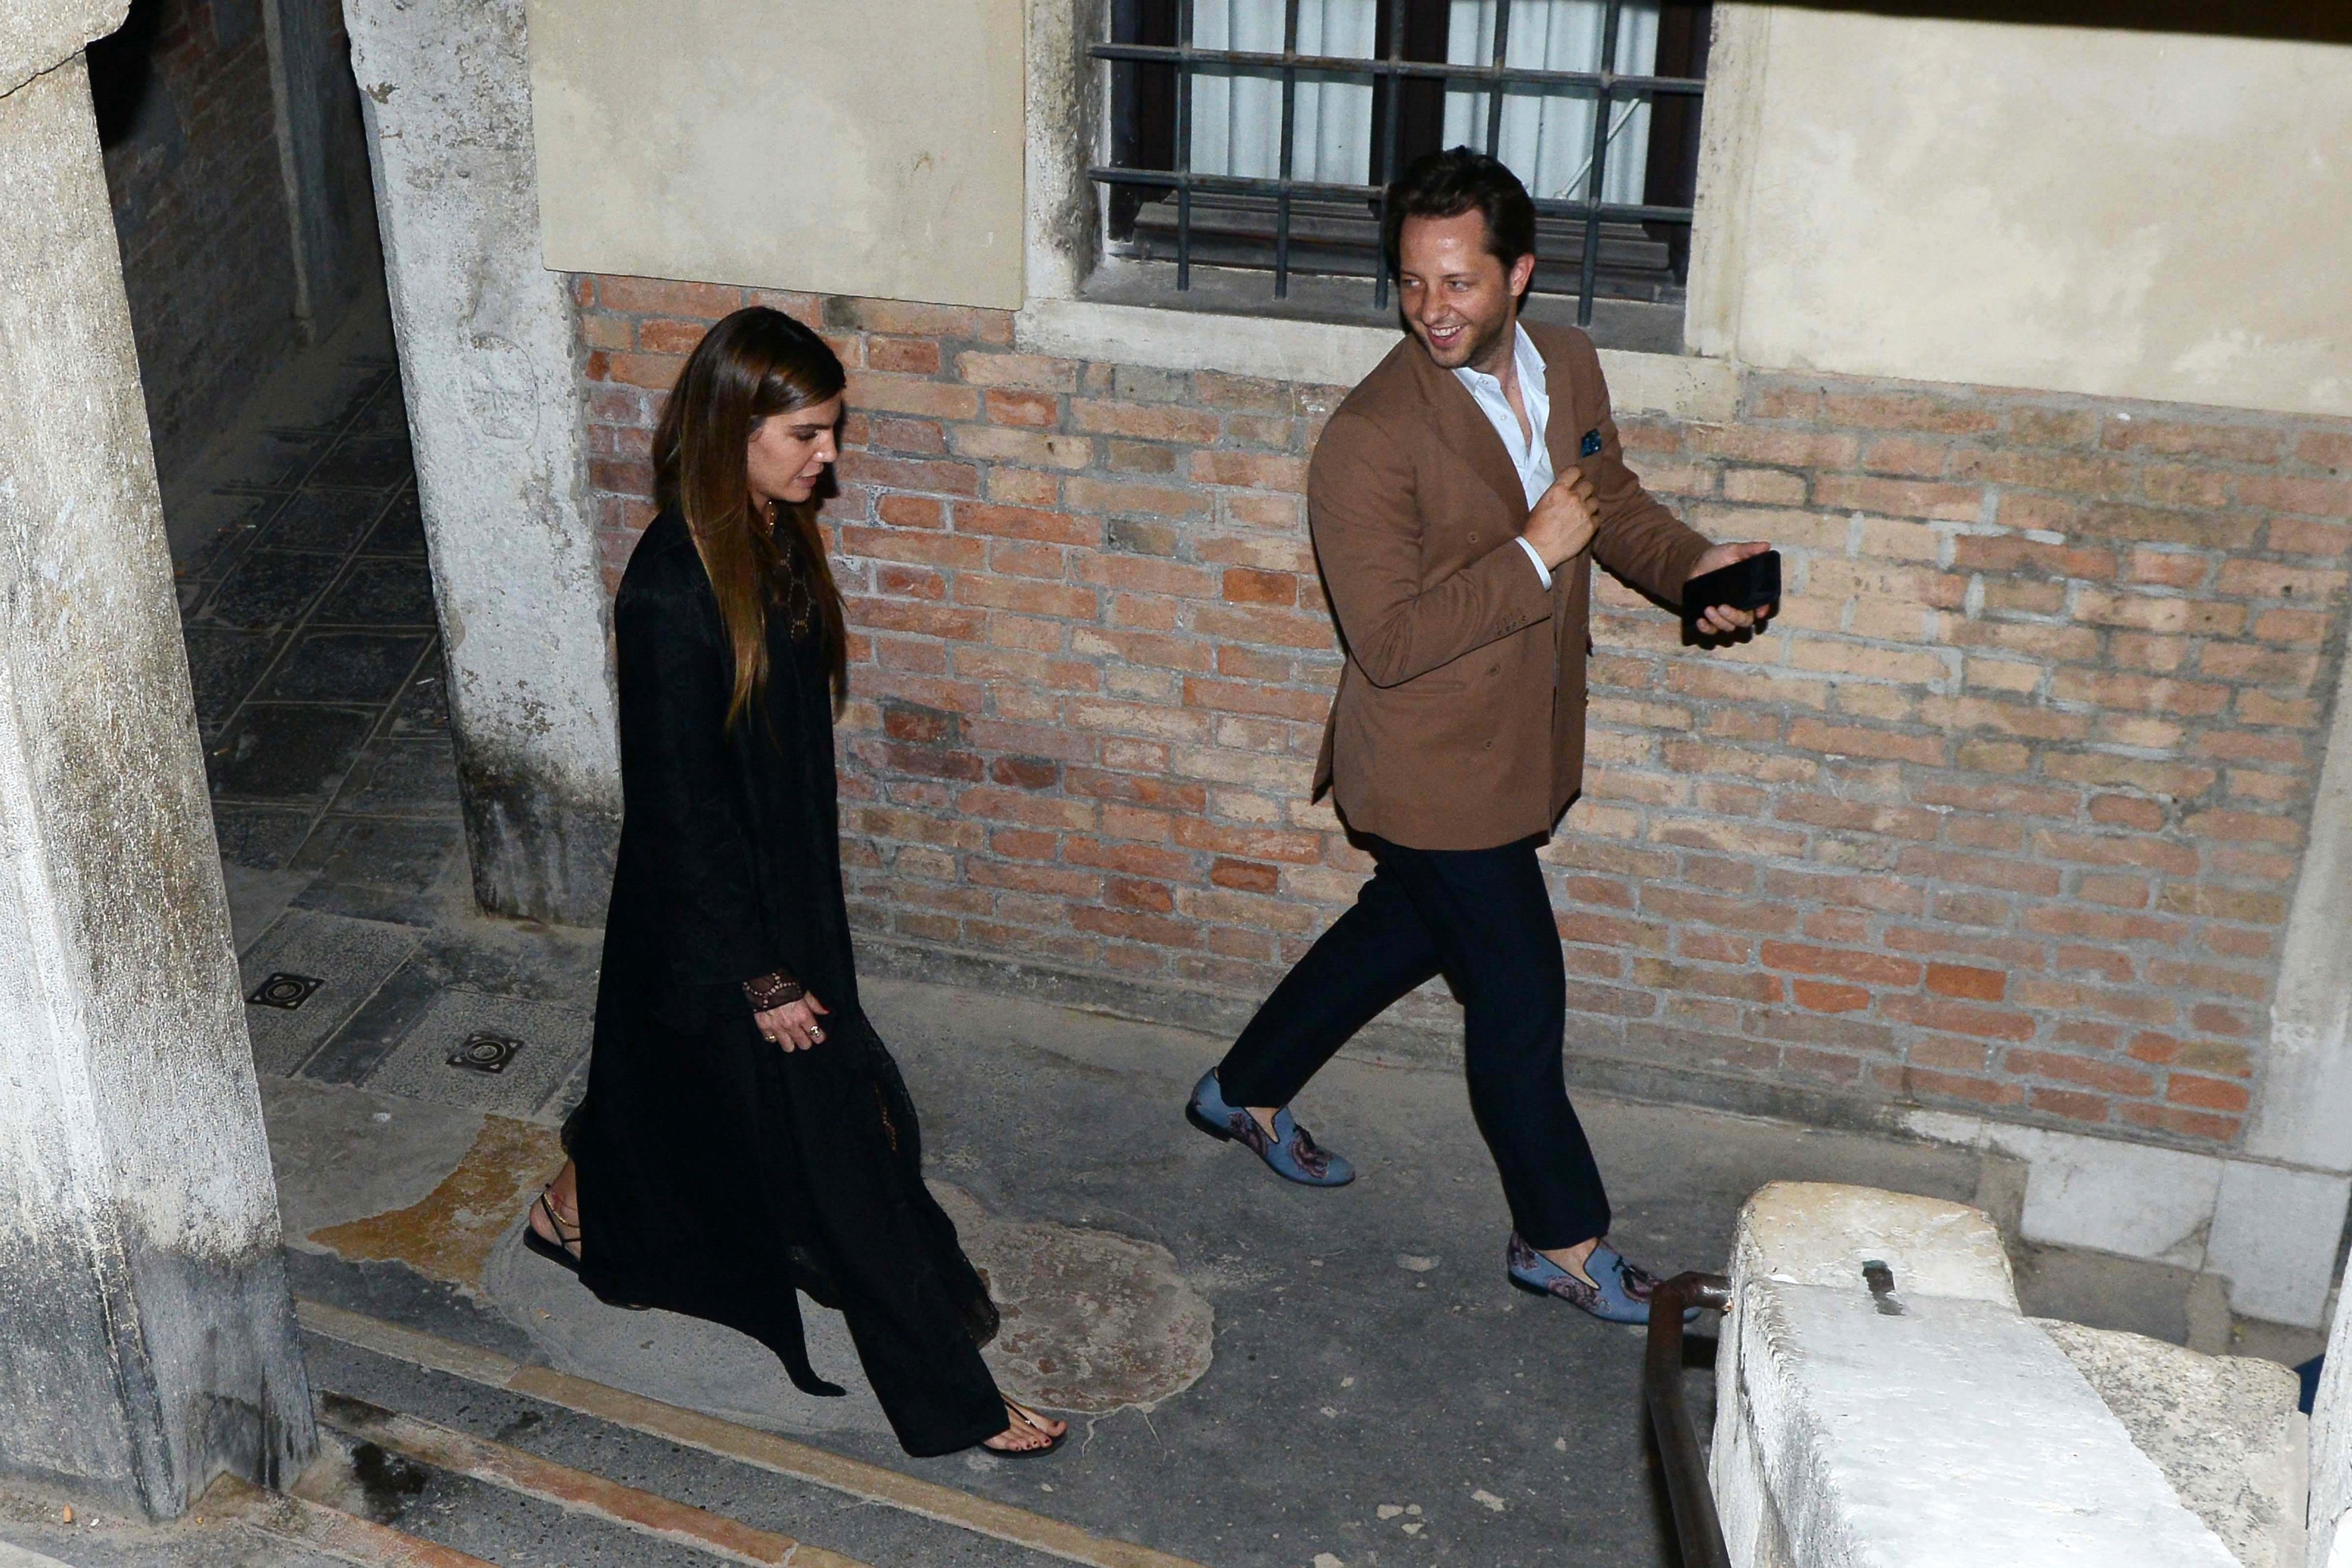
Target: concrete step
x,y
593,1459
579,1491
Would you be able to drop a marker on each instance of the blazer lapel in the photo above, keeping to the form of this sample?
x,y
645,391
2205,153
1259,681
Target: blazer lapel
x,y
1563,432
1463,429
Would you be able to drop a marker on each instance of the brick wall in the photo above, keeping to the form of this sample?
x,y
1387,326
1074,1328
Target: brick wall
x,y
184,108
2004,816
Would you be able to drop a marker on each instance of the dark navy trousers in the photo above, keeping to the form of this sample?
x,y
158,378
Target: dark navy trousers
x,y
1483,918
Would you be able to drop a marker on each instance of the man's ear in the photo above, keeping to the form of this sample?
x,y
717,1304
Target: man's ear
x,y
1522,272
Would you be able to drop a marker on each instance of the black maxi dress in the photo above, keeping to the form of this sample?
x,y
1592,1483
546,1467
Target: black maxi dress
x,y
718,1172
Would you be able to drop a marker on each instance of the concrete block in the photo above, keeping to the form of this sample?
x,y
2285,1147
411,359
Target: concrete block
x,y
1822,1454
2099,1193
1821,1233
2274,1235
2022,1465
2223,1429
2329,1508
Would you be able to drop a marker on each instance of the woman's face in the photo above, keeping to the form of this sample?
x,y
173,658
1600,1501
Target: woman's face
x,y
788,452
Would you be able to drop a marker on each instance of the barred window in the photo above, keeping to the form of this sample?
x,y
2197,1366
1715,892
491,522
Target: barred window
x,y
1257,135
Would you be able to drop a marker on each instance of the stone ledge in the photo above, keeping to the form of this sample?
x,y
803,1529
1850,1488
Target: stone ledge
x,y
1896,1424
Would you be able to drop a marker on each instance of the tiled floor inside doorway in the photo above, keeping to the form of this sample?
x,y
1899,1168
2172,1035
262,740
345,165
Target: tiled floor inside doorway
x,y
317,665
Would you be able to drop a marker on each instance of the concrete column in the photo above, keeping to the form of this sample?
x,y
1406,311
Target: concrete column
x,y
147,1341
489,361
319,159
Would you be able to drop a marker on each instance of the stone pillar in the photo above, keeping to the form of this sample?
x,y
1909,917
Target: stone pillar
x,y
490,364
2328,1513
147,1341
2281,1216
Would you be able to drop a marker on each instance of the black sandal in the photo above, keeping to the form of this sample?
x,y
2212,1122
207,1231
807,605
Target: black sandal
x,y
1025,1416
559,1251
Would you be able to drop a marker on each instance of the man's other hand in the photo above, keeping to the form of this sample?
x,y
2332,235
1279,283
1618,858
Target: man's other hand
x,y
1720,620
1563,519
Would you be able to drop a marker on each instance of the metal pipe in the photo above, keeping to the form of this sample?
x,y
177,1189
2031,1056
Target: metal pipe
x,y
1290,118
1360,65
1184,151
1547,206
1695,1524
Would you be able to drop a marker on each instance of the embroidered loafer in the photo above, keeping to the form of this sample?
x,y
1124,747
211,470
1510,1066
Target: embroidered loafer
x,y
1623,1287
1290,1153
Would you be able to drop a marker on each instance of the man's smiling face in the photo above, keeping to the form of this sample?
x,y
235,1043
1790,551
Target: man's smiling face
x,y
1457,298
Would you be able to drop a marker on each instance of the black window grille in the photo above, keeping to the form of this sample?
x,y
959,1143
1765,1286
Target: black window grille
x,y
1431,73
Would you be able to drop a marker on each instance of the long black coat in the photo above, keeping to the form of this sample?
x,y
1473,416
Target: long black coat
x,y
718,1172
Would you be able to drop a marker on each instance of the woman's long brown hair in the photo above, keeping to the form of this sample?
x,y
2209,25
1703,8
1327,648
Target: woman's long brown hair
x,y
753,365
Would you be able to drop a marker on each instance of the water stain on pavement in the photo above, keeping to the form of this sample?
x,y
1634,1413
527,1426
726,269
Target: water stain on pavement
x,y
448,1234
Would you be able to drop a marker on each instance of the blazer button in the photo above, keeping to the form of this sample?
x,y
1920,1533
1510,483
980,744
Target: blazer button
x,y
1474,539
1488,746
1493,669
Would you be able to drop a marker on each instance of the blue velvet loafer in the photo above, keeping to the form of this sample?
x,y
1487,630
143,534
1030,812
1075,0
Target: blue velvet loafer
x,y
1290,1153
1624,1287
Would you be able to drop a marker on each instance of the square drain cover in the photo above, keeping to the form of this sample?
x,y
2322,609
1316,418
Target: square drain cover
x,y
485,1052
282,990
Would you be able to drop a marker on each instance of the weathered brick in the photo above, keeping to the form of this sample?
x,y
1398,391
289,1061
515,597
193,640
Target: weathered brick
x,y
1961,833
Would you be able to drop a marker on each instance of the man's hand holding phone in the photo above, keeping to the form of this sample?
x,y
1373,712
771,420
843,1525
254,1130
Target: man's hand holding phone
x,y
1734,600
1563,519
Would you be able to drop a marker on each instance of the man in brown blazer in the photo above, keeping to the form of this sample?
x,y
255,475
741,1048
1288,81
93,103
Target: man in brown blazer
x,y
1456,501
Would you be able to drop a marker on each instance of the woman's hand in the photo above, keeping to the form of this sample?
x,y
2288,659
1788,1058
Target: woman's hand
x,y
794,1024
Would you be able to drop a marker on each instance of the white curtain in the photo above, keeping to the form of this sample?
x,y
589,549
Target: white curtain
x,y
1547,137
1237,117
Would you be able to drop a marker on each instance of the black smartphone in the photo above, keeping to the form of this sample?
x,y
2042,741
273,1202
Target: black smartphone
x,y
1749,584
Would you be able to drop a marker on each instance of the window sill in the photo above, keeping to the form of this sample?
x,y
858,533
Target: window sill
x,y
1328,334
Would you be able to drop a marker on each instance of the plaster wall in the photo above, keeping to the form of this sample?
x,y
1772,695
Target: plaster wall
x,y
489,367
2096,210
785,145
146,1336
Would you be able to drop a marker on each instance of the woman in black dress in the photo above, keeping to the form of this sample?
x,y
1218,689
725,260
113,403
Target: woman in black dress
x,y
745,1133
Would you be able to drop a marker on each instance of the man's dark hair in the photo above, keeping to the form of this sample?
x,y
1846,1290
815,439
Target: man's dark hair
x,y
1456,180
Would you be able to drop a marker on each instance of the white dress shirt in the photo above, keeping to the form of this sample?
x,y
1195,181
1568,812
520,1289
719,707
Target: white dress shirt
x,y
1532,458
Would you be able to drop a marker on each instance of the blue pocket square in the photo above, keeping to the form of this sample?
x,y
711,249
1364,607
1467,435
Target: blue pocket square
x,y
1590,446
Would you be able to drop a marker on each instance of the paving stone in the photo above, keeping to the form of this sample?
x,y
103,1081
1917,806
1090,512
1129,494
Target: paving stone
x,y
380,852
287,753
352,958
279,457
365,462
222,666
375,1031
403,778
366,901
354,668
262,837
270,588
402,530
257,897
385,413
515,958
324,519
554,1040
380,594
423,708
343,1154
250,513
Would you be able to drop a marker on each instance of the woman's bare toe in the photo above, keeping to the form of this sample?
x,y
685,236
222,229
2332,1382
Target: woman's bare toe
x,y
1029,1432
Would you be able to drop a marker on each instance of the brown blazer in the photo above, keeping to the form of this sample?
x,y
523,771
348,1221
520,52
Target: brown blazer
x,y
1459,722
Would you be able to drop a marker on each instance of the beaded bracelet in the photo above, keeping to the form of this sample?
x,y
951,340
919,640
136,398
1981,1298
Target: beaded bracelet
x,y
772,990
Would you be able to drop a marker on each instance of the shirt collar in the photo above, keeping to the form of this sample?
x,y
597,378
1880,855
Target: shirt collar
x,y
1525,359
